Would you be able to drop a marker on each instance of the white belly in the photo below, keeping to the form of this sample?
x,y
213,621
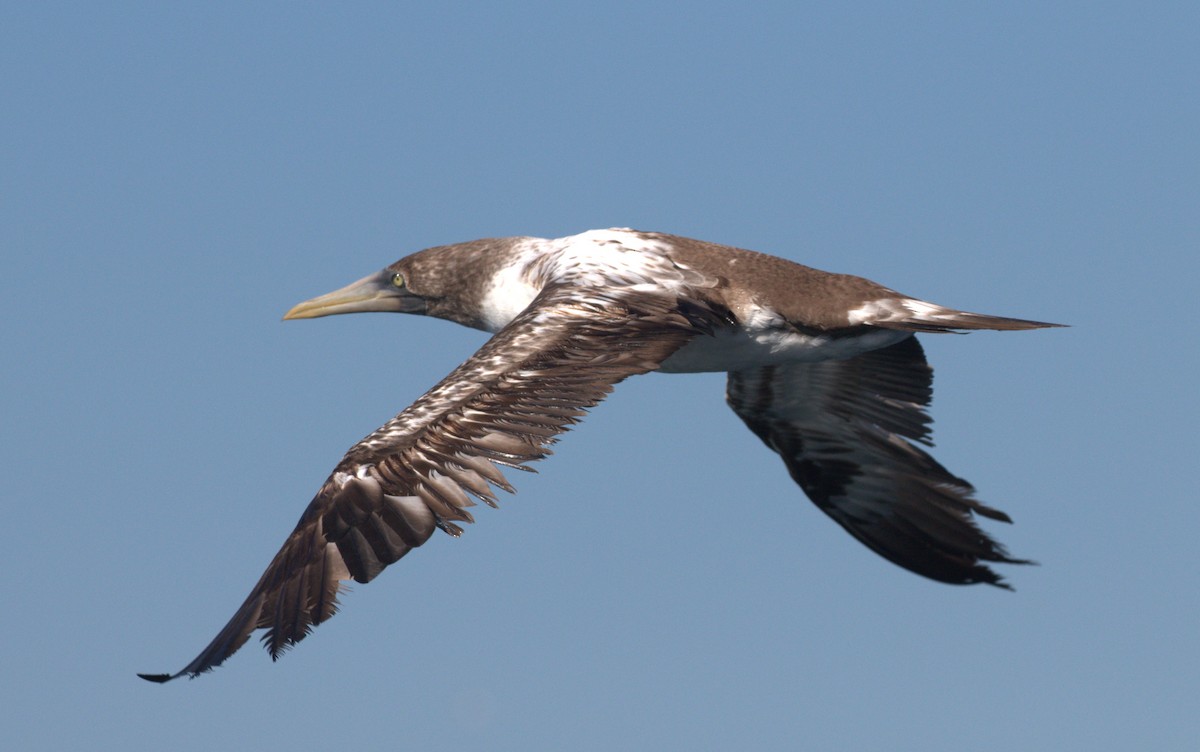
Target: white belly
x,y
735,350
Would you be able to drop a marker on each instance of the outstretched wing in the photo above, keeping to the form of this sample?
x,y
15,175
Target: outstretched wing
x,y
424,468
845,428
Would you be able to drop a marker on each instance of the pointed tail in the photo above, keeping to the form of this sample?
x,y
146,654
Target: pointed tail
x,y
912,315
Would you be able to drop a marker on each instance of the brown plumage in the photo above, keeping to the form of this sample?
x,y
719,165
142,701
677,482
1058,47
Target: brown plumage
x,y
822,367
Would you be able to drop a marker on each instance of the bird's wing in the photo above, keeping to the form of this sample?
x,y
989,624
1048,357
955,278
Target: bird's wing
x,y
422,469
845,429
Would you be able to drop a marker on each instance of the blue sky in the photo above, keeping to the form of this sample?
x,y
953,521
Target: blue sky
x,y
174,178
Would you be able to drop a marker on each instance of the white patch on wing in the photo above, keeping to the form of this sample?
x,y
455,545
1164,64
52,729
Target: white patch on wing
x,y
896,309
872,310
923,309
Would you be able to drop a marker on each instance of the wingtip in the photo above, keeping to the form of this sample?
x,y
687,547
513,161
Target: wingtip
x,y
996,580
157,678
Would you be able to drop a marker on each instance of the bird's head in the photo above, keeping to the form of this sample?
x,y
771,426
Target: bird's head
x,y
446,282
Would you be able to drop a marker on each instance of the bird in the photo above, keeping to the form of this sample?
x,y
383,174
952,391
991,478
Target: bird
x,y
823,368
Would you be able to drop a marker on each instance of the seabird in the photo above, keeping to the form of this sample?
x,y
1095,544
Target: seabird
x,y
822,367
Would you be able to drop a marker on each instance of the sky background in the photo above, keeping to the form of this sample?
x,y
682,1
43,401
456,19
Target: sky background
x,y
174,177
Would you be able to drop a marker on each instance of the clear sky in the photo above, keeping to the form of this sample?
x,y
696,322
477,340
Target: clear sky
x,y
174,177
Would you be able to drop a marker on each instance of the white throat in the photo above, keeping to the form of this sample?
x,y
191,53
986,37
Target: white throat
x,y
511,292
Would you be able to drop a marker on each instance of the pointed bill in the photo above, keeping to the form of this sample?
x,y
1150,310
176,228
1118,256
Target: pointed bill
x,y
372,293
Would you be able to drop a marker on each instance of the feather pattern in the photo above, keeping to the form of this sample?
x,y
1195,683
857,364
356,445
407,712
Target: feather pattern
x,y
424,468
822,367
845,430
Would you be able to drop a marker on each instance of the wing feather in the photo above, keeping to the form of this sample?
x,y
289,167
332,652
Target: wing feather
x,y
845,430
424,468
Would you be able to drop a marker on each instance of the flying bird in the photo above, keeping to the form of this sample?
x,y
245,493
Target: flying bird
x,y
822,367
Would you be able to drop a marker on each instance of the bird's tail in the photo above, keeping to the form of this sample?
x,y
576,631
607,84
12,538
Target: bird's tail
x,y
912,315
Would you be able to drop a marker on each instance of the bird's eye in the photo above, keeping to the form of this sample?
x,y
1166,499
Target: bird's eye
x,y
398,280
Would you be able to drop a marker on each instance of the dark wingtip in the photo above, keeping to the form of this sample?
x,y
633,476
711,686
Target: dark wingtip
x,y
157,678
1000,581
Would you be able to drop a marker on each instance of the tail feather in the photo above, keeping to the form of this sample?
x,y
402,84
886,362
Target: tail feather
x,y
912,315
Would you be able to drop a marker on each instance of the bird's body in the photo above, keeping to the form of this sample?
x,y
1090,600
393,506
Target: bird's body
x,y
822,367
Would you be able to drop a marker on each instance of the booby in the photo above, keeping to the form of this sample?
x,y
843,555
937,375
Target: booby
x,y
822,367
